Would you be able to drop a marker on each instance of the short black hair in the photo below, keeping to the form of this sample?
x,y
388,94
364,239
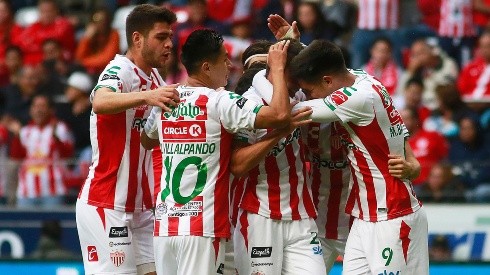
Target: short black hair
x,y
258,47
201,45
415,80
143,17
319,58
246,79
294,48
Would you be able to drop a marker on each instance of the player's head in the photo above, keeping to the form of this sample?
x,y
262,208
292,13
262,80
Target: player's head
x,y
256,52
148,31
319,69
246,79
205,58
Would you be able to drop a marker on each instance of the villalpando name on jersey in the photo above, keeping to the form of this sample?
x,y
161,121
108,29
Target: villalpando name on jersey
x,y
279,147
188,148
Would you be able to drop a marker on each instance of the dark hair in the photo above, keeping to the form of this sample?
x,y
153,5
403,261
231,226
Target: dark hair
x,y
383,39
319,58
246,79
201,45
258,47
143,17
46,96
415,81
13,48
295,47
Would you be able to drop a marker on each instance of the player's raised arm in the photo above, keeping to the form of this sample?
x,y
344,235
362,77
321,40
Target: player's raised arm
x,y
278,113
106,101
281,28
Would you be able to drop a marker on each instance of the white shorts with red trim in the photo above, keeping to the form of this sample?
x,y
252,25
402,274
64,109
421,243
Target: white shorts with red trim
x,y
114,242
184,255
267,246
397,246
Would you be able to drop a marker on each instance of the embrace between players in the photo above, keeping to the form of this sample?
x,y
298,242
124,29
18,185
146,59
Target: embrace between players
x,y
311,162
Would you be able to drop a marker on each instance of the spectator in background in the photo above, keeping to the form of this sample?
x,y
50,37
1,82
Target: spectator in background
x,y
432,65
439,249
428,147
4,138
236,44
481,15
382,65
13,64
473,82
449,111
376,18
340,12
198,19
43,147
312,24
19,96
456,29
173,71
441,186
412,99
49,246
99,44
8,32
431,14
470,154
51,25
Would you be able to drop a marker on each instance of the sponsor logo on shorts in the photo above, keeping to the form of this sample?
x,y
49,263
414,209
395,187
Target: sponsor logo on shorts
x,y
118,232
117,258
317,250
110,76
254,264
257,273
261,252
111,244
221,269
385,272
92,255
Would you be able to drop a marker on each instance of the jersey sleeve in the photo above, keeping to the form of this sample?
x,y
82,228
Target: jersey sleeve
x,y
321,111
115,77
236,112
151,124
351,105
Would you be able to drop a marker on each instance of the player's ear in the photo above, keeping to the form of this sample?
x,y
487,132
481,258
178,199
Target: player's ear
x,y
327,79
136,37
206,68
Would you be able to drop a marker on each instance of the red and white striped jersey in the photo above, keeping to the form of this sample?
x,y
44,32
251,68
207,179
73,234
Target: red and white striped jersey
x,y
277,188
195,140
374,129
330,176
121,174
378,14
474,81
41,171
456,19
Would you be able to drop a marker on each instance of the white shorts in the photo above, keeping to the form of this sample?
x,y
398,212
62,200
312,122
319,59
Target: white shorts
x,y
114,242
184,255
229,259
267,246
397,246
331,251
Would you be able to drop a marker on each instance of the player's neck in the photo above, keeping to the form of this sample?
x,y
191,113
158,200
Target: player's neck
x,y
139,62
197,81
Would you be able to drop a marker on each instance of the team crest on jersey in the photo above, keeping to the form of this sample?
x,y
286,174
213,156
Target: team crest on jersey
x,y
160,210
117,258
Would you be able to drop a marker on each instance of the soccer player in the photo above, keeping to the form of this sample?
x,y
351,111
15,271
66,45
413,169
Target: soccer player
x,y
114,219
275,232
191,215
389,232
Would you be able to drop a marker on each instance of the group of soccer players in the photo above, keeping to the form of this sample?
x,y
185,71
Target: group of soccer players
x,y
180,172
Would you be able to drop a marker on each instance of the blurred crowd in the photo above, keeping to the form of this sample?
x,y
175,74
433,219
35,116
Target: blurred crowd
x,y
433,57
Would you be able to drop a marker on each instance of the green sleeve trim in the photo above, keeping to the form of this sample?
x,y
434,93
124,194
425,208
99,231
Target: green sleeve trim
x,y
105,86
257,109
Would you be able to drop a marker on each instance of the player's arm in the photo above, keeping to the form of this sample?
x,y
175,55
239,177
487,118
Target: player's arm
x,y
404,168
321,112
278,113
149,135
106,101
246,156
281,28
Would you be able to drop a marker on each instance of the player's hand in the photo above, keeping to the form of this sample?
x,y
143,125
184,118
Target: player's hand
x,y
164,97
277,56
280,27
399,167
